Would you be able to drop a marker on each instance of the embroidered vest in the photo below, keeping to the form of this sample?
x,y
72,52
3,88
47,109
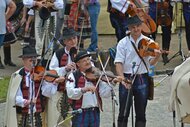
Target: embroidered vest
x,y
63,60
40,102
80,82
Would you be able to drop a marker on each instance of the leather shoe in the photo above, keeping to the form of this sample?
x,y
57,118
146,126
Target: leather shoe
x,y
10,63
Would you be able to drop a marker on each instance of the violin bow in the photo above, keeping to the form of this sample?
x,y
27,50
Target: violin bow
x,y
80,38
103,68
76,16
43,75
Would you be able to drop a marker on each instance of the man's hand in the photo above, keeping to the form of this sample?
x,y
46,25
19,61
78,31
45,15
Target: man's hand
x,y
70,66
59,80
49,4
157,53
118,80
26,103
127,83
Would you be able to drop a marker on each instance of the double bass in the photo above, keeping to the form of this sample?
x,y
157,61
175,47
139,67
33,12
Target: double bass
x,y
148,25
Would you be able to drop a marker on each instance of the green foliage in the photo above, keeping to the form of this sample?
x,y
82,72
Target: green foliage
x,y
4,83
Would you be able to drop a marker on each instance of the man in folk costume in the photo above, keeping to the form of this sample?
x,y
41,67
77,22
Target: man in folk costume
x,y
62,62
84,93
118,16
44,12
179,98
26,97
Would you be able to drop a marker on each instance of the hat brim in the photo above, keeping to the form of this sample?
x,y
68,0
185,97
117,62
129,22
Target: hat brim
x,y
31,55
137,23
81,57
68,37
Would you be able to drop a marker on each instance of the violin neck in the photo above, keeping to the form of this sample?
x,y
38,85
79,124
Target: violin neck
x,y
51,75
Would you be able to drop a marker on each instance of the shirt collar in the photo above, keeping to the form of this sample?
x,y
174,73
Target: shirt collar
x,y
138,39
66,51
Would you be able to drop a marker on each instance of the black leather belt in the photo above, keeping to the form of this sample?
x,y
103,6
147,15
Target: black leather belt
x,y
90,109
115,11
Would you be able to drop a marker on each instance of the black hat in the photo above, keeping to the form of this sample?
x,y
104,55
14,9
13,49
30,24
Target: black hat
x,y
44,13
68,33
80,55
29,51
133,21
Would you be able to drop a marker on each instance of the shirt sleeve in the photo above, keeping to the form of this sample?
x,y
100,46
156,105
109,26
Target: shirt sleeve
x,y
120,53
72,92
104,89
19,98
28,3
48,89
58,4
120,5
54,65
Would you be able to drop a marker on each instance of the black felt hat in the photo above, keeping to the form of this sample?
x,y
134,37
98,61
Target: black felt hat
x,y
135,20
68,33
80,55
29,51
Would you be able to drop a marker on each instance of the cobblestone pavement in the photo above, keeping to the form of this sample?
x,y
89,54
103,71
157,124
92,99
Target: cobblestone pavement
x,y
157,113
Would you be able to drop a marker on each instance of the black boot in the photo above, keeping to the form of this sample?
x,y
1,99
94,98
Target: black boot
x,y
165,58
121,124
7,56
1,65
140,124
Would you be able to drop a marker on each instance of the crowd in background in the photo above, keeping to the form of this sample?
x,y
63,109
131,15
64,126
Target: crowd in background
x,y
69,22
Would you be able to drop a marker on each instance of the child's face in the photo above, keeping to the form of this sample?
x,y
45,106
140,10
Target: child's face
x,y
71,42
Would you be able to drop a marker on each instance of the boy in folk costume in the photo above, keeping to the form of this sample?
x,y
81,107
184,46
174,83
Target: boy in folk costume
x,y
79,20
26,98
62,62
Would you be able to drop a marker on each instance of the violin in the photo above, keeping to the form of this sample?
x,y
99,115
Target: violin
x,y
146,48
148,25
163,17
49,76
93,74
